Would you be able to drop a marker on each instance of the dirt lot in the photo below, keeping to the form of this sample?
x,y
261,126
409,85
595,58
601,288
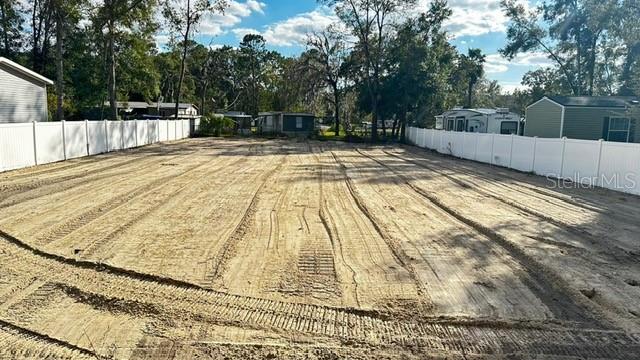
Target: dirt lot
x,y
311,250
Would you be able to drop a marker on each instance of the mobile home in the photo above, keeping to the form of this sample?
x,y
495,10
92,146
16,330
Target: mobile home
x,y
495,121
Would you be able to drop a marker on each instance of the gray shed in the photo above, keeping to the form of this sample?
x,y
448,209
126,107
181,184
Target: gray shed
x,y
23,94
611,118
296,124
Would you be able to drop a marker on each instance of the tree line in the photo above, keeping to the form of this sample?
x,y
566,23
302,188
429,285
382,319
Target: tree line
x,y
380,61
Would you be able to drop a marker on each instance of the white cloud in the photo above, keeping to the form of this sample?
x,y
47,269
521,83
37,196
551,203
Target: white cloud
x,y
218,23
294,30
473,17
497,64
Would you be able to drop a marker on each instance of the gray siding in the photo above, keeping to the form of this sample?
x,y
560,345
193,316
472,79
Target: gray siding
x,y
543,119
21,99
587,123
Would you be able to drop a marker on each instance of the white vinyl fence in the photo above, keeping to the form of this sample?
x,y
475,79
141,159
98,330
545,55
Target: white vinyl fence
x,y
29,144
611,165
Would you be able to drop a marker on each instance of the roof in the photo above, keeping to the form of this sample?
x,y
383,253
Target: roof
x,y
594,101
26,72
153,105
166,105
284,113
482,111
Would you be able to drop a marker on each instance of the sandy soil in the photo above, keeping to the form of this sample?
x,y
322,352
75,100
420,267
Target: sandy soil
x,y
239,248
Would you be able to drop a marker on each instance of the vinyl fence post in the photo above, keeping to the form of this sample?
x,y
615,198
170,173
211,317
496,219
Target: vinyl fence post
x,y
86,132
564,145
122,134
106,136
535,145
135,132
601,145
64,140
35,144
493,141
511,153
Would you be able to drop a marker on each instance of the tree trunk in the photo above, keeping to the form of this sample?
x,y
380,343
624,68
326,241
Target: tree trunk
x,y
5,32
374,118
403,126
113,104
185,46
470,95
59,65
336,99
203,96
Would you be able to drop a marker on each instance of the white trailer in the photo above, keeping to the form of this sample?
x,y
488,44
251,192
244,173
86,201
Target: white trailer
x,y
493,121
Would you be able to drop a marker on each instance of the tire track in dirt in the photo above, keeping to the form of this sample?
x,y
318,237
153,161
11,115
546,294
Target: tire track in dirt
x,y
119,229
401,257
228,247
620,255
18,338
71,182
109,286
565,302
518,185
67,227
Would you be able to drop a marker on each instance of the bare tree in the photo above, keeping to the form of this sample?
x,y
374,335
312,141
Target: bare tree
x,y
328,53
183,16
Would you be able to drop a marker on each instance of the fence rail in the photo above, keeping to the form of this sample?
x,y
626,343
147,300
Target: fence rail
x,y
611,165
29,144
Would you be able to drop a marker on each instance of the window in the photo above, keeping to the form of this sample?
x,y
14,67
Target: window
x,y
460,120
450,123
619,129
298,123
509,127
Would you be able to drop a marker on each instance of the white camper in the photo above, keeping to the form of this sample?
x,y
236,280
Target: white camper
x,y
495,121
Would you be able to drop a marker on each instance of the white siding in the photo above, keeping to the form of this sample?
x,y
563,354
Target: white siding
x,y
21,99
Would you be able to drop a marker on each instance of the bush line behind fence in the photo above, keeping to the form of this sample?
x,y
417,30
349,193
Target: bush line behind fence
x,y
611,165
29,144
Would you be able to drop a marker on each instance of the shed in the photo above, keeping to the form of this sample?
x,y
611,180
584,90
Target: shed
x,y
293,124
494,121
612,118
23,94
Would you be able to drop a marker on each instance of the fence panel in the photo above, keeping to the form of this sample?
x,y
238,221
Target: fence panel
x,y
446,144
484,148
457,144
115,135
49,145
129,134
142,132
97,137
421,138
152,129
522,153
581,158
185,129
548,157
163,134
16,142
502,150
469,144
620,167
172,130
75,139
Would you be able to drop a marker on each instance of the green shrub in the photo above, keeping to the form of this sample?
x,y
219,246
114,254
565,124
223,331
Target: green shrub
x,y
216,125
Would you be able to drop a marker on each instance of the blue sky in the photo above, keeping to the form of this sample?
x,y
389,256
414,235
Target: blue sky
x,y
284,24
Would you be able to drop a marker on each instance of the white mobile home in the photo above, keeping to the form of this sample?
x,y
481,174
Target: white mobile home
x,y
493,121
23,94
